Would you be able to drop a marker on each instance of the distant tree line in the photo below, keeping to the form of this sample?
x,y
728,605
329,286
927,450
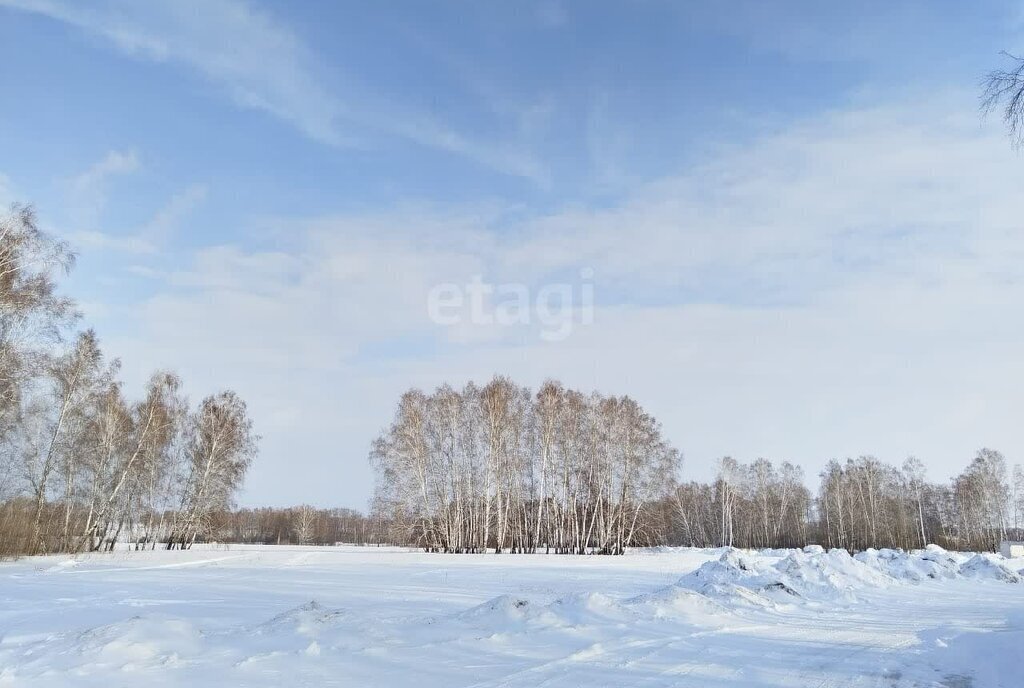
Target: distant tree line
x,y
501,468
81,466
301,525
860,503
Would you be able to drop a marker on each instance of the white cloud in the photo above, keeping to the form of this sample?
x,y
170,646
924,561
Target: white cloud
x,y
849,284
90,239
88,191
511,159
906,188
149,238
608,145
160,228
262,65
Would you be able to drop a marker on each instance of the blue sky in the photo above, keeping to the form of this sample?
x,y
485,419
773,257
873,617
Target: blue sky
x,y
805,242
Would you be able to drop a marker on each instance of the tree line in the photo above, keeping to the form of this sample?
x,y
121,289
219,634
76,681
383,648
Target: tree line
x,y
860,503
300,525
494,467
82,466
502,468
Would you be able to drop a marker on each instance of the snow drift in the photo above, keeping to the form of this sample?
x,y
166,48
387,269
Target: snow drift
x,y
816,575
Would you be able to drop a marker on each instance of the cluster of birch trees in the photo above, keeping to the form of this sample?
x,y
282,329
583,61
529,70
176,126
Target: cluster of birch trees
x,y
501,468
748,505
81,465
860,503
868,503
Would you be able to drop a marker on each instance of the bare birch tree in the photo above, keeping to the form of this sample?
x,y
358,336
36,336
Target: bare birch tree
x,y
304,523
219,447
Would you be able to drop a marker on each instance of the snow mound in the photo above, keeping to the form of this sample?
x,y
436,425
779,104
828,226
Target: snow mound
x,y
137,642
62,566
826,575
947,561
934,564
588,608
306,619
802,575
505,606
679,603
737,578
731,567
507,612
980,567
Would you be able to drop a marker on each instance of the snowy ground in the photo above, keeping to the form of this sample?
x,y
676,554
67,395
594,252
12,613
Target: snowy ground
x,y
290,616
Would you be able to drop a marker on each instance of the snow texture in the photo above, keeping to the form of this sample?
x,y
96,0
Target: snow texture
x,y
347,616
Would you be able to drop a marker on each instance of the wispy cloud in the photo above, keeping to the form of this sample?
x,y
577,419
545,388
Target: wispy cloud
x,y
608,145
262,65
88,190
259,63
154,234
160,228
510,159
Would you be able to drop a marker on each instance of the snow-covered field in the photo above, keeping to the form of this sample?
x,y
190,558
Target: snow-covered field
x,y
297,616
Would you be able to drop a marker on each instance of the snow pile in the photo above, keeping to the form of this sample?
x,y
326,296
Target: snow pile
x,y
711,594
980,567
513,613
811,574
816,575
138,641
679,604
297,631
306,619
61,566
128,645
738,578
508,612
589,608
941,558
821,574
933,563
501,608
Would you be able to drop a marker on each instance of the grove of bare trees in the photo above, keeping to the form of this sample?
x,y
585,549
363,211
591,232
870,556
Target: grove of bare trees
x,y
860,503
80,465
501,468
755,505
